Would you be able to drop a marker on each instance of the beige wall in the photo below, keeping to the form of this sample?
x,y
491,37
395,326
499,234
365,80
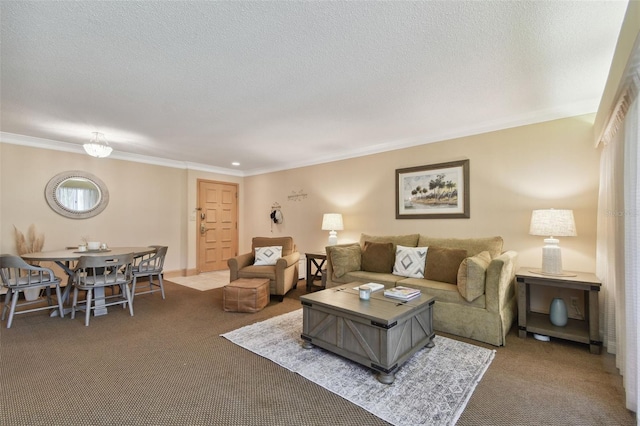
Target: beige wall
x,y
512,172
148,204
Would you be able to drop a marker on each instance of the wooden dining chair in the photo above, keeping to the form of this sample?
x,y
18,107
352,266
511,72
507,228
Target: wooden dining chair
x,y
93,272
18,276
150,267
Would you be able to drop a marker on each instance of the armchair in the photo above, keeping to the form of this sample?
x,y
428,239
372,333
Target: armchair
x,y
283,276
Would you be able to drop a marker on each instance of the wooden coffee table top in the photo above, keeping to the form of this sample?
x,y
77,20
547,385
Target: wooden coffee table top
x,y
378,308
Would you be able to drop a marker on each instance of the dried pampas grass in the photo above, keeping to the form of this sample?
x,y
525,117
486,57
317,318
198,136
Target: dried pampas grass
x,y
32,243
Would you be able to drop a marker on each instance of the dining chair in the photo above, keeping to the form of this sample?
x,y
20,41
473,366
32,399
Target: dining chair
x,y
150,267
18,276
94,273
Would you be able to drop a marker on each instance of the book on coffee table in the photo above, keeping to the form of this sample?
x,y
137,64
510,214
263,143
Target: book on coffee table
x,y
402,293
373,286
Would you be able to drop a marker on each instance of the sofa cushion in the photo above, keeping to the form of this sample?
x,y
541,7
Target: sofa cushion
x,y
473,246
443,263
345,258
443,292
472,274
389,280
377,257
267,255
410,261
410,240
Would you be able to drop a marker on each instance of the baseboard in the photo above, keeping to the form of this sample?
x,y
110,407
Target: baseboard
x,y
181,273
174,274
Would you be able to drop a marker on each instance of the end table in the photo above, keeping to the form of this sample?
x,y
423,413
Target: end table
x,y
317,259
583,331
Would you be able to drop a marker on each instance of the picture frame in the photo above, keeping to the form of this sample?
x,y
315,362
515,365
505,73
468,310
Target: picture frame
x,y
435,191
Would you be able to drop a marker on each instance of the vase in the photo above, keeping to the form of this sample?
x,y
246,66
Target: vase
x,y
558,312
31,294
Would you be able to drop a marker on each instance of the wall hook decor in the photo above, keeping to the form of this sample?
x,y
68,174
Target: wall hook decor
x,y
297,196
276,214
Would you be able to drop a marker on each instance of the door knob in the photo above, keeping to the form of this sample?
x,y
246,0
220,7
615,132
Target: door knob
x,y
202,228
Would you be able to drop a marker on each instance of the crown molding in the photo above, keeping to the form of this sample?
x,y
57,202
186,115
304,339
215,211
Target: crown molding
x,y
33,142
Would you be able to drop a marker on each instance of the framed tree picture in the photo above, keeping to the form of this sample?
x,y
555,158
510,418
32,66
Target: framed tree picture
x,y
436,191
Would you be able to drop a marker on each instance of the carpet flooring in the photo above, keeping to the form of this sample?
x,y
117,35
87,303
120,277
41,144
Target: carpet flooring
x,y
168,365
432,387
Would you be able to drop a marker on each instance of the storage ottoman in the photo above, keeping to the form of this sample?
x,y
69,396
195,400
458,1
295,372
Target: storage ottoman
x,y
246,295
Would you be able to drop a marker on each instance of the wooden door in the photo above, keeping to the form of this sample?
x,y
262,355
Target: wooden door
x,y
217,218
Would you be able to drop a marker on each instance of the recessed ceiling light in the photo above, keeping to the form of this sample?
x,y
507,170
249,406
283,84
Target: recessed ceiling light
x,y
235,163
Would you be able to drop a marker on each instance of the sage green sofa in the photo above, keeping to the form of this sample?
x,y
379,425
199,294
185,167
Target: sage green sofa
x,y
472,279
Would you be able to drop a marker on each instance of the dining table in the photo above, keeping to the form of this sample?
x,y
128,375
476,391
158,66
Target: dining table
x,y
66,259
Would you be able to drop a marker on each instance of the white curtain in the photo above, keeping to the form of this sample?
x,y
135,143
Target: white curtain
x,y
618,247
610,244
632,252
618,243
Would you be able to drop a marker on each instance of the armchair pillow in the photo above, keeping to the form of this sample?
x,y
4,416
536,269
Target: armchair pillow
x,y
472,274
410,261
443,264
377,257
267,255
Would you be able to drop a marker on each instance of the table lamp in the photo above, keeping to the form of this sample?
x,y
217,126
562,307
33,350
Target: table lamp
x,y
332,222
552,223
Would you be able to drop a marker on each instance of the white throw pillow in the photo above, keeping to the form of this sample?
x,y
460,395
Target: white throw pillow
x,y
410,261
268,255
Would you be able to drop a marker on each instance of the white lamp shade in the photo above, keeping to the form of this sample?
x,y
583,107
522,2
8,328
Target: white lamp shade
x,y
332,222
553,223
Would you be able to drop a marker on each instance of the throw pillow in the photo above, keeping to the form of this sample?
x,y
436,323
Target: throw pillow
x,y
377,257
410,261
443,264
345,259
267,255
472,274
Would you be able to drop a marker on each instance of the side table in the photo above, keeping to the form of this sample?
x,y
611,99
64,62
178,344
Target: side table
x,y
583,331
316,259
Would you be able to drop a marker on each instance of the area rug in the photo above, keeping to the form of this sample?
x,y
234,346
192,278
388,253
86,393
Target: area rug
x,y
205,281
431,388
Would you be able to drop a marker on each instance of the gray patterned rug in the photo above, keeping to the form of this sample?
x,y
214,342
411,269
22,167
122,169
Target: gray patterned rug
x,y
431,388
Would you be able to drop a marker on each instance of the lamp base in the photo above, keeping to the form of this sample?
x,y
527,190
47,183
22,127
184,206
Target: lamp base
x,y
333,238
551,256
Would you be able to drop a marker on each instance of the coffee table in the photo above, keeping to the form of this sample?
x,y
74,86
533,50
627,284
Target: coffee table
x,y
380,333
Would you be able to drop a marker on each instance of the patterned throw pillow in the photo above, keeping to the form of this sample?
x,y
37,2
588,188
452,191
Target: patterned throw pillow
x,y
410,261
472,274
267,255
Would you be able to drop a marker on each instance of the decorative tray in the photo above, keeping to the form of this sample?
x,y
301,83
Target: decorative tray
x,y
93,251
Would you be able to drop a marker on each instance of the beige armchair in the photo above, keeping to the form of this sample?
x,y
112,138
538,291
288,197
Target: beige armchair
x,y
283,276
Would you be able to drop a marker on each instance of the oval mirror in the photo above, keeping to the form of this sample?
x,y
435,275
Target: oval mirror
x,y
76,194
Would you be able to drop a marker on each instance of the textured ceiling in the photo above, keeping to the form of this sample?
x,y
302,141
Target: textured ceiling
x,y
276,85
